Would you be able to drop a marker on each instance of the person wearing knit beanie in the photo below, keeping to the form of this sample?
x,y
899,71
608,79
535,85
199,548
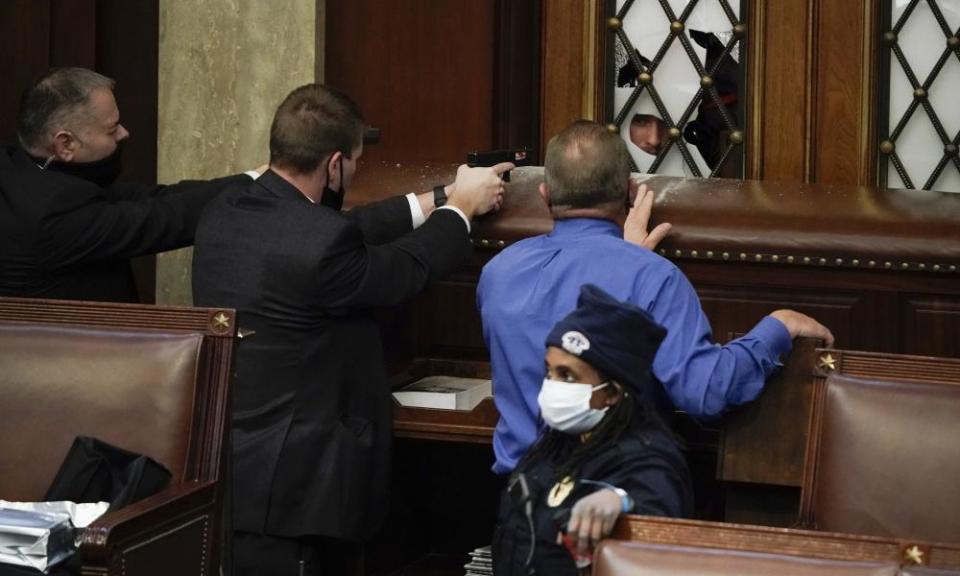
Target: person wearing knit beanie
x,y
604,450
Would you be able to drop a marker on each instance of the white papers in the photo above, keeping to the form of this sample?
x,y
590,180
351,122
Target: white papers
x,y
447,392
34,539
40,534
81,515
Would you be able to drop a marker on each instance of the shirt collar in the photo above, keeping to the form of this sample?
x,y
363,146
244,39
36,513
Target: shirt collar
x,y
280,187
585,226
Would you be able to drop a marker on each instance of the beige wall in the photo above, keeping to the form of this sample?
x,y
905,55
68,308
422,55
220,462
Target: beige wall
x,y
225,65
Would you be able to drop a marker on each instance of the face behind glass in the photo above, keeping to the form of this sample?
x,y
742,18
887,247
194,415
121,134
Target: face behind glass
x,y
648,133
565,367
98,137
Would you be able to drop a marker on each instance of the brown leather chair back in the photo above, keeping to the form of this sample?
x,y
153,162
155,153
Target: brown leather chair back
x,y
149,379
133,389
615,558
885,458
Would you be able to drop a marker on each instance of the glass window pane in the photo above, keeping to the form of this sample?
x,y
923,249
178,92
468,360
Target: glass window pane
x,y
919,118
676,76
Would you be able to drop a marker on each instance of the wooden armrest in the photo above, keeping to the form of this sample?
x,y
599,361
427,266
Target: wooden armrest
x,y
146,519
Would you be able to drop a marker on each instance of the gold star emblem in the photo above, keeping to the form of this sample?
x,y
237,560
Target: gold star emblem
x,y
221,322
827,362
913,554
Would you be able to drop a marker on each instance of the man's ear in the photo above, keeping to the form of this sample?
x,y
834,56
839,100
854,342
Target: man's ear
x,y
544,193
64,146
333,169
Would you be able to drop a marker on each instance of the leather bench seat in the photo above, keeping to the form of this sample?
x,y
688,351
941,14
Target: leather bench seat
x,y
616,558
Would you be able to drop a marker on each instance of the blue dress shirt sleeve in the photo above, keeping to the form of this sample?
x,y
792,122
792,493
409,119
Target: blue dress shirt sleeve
x,y
703,378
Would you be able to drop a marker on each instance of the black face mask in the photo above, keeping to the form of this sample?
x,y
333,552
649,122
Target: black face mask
x,y
102,172
333,198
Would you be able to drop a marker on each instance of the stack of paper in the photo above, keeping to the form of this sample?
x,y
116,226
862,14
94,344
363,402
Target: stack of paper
x,y
35,539
447,392
481,563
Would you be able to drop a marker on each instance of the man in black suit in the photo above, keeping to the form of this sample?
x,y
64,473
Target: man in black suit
x,y
66,230
311,414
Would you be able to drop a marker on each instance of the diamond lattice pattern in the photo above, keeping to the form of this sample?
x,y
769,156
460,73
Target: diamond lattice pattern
x,y
919,146
677,99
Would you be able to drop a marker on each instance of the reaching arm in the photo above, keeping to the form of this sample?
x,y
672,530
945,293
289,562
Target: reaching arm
x,y
156,219
704,378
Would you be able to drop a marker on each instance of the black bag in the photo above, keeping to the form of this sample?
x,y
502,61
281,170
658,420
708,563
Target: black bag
x,y
94,471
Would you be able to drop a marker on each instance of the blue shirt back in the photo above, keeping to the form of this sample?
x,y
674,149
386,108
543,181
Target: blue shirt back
x,y
532,284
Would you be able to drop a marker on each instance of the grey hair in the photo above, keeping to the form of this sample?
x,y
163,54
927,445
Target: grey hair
x,y
587,166
58,99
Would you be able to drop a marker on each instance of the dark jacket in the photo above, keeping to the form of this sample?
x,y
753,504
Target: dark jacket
x,y
646,462
66,238
311,415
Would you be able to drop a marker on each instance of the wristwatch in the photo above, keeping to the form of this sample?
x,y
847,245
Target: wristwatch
x,y
439,195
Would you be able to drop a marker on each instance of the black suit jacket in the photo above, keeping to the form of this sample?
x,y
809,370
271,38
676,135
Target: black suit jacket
x,y
311,416
64,237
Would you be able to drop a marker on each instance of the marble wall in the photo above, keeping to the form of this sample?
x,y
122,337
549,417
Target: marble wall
x,y
224,67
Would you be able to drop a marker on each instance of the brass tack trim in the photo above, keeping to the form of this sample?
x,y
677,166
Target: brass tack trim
x,y
936,267
663,252
501,243
775,258
484,242
855,262
678,253
709,253
922,266
953,268
887,265
839,261
743,256
790,259
806,259
905,265
726,256
693,253
872,263
823,261
758,257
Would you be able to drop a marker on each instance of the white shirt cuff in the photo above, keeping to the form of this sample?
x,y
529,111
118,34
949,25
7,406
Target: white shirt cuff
x,y
253,174
459,213
416,212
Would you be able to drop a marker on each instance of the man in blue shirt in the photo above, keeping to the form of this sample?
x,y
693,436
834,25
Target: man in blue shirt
x,y
534,283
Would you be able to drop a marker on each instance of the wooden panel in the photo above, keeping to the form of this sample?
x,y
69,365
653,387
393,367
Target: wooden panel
x,y
449,322
564,65
421,70
931,326
764,441
786,90
736,310
25,45
516,114
844,152
73,32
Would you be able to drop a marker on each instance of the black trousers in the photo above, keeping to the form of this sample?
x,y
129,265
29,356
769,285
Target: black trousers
x,y
263,555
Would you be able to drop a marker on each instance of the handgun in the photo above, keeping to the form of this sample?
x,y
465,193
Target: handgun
x,y
519,157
